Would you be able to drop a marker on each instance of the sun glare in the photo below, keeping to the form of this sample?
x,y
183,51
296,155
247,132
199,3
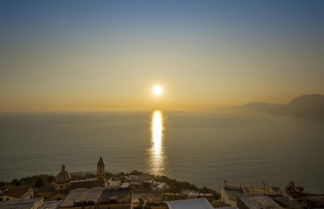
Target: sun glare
x,y
157,90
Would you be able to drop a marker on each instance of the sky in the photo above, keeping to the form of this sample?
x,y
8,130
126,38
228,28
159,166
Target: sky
x,y
106,55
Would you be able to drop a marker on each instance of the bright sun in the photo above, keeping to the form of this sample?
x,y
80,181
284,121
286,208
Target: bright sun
x,y
157,90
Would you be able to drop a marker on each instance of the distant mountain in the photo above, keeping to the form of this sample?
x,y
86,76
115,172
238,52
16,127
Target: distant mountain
x,y
306,106
250,108
256,107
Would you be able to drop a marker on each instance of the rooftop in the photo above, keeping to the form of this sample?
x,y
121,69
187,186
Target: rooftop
x,y
51,204
156,197
259,202
234,193
200,203
80,196
17,192
21,204
120,196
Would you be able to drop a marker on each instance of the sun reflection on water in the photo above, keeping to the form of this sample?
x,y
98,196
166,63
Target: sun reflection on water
x,y
156,157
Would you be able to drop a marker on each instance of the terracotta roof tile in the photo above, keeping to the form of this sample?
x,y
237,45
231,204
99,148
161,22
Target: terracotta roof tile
x,y
16,192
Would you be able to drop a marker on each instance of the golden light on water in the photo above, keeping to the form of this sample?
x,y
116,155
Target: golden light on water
x,y
156,158
157,131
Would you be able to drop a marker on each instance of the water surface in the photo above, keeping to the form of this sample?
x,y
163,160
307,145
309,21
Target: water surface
x,y
202,148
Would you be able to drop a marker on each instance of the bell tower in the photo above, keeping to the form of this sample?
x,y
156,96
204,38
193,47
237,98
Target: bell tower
x,y
100,170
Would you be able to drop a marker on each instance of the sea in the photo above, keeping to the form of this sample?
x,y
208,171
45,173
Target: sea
x,y
200,147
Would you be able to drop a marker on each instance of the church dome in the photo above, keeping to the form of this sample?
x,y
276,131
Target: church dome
x,y
63,176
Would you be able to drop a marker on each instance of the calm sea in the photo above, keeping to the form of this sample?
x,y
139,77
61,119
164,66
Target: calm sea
x,y
202,148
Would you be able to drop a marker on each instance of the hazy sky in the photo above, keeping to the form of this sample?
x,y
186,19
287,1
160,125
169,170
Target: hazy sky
x,y
106,55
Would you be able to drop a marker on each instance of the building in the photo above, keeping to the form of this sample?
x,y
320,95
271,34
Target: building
x,y
50,194
231,193
117,199
257,202
82,197
113,184
161,186
97,198
200,203
62,180
33,203
63,184
16,193
290,203
100,170
125,185
51,204
147,198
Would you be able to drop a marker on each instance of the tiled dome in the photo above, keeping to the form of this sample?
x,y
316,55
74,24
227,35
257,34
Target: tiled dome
x,y
63,176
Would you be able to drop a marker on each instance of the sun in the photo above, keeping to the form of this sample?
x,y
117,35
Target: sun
x,y
157,90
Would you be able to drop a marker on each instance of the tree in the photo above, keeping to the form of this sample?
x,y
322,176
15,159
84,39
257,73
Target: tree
x,y
15,182
39,182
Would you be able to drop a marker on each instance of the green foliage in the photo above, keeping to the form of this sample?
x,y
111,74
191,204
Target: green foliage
x,y
88,175
29,182
15,182
146,186
176,186
109,175
136,172
82,175
211,191
175,197
39,182
3,185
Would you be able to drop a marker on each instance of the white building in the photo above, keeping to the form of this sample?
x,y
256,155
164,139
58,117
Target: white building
x,y
125,185
113,184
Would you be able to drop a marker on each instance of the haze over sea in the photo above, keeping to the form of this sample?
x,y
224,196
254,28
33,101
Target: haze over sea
x,y
202,148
